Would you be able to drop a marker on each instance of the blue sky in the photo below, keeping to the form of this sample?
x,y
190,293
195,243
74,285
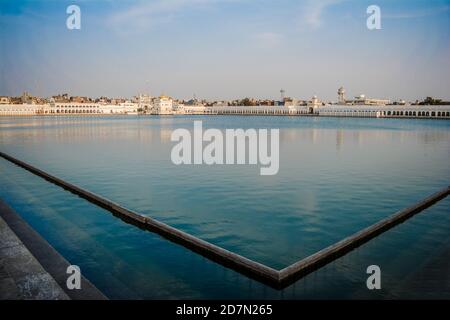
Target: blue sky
x,y
226,48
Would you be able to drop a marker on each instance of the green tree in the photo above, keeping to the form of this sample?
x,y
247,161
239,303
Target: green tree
x,y
246,102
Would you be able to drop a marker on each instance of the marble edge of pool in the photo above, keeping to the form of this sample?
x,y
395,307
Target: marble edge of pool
x,y
277,279
47,256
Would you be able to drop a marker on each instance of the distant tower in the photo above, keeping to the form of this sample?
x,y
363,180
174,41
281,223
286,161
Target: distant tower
x,y
341,95
282,94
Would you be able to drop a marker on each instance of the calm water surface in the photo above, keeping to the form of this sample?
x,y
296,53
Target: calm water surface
x,y
337,175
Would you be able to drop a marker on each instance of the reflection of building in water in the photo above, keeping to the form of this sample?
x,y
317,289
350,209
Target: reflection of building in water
x,y
165,134
339,139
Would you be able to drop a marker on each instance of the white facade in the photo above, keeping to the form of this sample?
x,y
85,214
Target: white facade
x,y
163,105
4,100
21,109
360,100
315,102
255,110
195,109
178,108
363,100
430,112
122,108
390,111
145,101
56,108
67,108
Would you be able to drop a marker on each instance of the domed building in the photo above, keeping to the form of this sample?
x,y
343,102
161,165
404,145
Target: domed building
x,y
163,105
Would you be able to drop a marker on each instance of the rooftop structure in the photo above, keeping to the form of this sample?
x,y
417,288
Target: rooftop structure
x,y
360,100
4,100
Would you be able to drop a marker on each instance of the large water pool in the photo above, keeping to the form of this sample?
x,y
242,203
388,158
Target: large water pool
x,y
337,175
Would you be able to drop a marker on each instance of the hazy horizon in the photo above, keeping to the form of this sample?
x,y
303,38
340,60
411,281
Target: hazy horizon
x,y
226,49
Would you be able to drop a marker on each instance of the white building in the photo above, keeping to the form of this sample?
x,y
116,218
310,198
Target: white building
x,y
4,100
21,109
178,108
360,100
197,109
59,108
56,108
122,108
250,110
220,104
341,95
145,102
315,102
363,100
163,105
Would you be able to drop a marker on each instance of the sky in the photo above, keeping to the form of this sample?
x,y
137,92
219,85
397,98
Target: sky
x,y
226,49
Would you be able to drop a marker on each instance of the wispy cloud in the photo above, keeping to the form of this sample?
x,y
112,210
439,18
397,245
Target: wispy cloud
x,y
145,14
417,14
313,10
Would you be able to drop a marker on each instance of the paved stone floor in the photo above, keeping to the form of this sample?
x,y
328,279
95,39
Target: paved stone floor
x,y
21,275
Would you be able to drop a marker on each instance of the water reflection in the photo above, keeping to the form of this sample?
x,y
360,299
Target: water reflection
x,y
336,175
